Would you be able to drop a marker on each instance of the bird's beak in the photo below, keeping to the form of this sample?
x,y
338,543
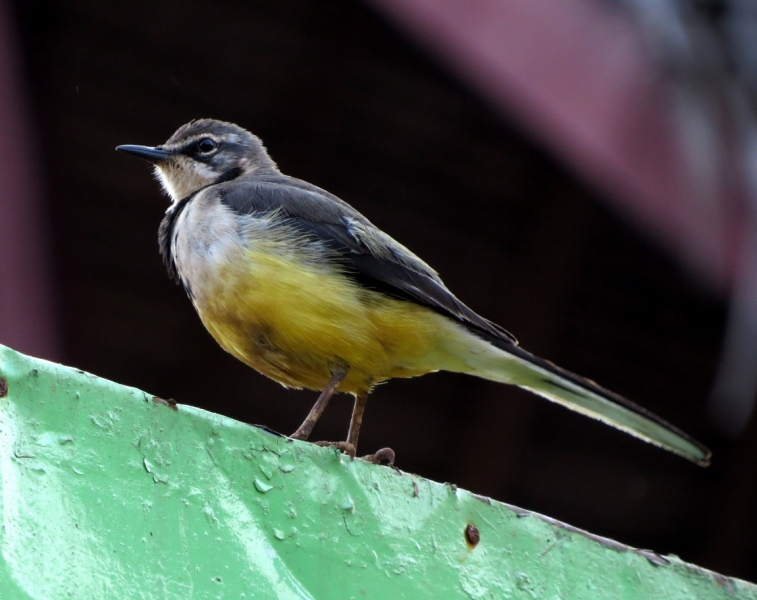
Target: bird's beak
x,y
154,155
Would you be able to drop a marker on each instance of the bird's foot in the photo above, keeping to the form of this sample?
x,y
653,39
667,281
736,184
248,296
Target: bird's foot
x,y
384,456
345,447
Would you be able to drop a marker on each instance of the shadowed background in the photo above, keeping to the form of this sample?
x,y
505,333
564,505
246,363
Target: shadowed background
x,y
348,102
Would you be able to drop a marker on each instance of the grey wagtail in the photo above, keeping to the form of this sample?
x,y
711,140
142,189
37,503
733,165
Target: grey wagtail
x,y
300,286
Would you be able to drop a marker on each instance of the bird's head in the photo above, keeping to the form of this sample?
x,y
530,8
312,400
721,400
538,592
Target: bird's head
x,y
204,152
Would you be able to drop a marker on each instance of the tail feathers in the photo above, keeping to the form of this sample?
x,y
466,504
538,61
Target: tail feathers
x,y
541,377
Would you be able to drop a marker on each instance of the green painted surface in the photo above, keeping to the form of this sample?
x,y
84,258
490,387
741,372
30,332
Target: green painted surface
x,y
107,494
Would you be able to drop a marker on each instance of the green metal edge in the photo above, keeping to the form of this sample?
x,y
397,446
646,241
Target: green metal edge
x,y
109,494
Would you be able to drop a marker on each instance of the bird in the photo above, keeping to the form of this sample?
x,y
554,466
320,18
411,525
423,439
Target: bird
x,y
299,285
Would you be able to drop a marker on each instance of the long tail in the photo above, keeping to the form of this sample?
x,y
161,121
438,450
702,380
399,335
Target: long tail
x,y
508,363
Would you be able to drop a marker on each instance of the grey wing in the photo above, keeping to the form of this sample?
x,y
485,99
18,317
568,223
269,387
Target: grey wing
x,y
369,256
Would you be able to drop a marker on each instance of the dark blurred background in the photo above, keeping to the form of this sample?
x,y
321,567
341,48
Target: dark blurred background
x,y
345,98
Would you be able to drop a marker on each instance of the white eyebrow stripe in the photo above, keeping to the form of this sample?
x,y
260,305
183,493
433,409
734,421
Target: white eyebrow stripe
x,y
189,141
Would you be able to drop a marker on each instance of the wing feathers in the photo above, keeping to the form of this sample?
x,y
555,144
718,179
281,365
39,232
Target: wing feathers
x,y
369,255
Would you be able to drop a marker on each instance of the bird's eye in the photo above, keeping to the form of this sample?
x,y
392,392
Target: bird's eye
x,y
206,145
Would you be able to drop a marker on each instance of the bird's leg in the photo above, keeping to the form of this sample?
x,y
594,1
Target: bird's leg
x,y
382,456
320,405
357,418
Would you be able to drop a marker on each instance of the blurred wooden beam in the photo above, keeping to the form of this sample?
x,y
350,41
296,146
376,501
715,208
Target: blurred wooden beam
x,y
576,75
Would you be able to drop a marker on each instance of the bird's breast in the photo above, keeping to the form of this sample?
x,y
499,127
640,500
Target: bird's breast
x,y
284,307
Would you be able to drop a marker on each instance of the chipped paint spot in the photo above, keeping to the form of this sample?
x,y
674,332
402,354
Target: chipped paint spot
x,y
262,487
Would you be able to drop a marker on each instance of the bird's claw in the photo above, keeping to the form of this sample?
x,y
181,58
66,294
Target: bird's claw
x,y
345,447
384,456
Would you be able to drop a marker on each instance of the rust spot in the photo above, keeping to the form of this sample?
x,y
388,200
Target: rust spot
x,y
3,387
472,536
170,403
725,582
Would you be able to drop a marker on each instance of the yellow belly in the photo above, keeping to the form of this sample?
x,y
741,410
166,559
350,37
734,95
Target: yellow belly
x,y
296,323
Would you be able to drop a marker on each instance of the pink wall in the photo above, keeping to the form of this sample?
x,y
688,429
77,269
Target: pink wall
x,y
26,293
574,74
